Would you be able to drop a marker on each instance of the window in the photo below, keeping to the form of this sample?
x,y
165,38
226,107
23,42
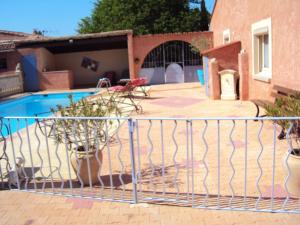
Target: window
x,y
3,64
226,36
262,50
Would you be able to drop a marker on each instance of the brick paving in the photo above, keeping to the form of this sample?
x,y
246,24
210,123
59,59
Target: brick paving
x,y
190,101
27,208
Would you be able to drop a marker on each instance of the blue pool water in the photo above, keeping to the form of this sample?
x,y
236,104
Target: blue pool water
x,y
36,104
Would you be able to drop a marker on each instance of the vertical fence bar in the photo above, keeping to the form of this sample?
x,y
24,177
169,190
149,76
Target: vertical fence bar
x,y
246,165
78,162
39,153
22,155
149,157
219,162
259,165
192,158
232,165
97,137
109,162
67,156
174,160
290,149
162,156
187,160
54,130
120,159
49,158
273,166
14,152
30,154
133,174
87,147
204,162
139,180
4,146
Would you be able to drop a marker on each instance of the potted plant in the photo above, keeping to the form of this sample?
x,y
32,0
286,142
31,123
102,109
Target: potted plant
x,y
289,107
198,45
86,137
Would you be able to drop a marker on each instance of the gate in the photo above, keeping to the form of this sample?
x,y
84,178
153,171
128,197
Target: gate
x,y
31,79
214,163
179,53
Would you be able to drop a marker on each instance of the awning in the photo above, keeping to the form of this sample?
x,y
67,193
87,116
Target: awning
x,y
79,43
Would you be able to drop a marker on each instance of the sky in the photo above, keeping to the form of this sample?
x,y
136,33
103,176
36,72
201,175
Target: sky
x,y
55,17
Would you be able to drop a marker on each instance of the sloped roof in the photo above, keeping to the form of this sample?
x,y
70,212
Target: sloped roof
x,y
213,11
43,39
14,33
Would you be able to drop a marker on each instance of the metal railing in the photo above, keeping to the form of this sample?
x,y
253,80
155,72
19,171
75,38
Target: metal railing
x,y
11,84
213,163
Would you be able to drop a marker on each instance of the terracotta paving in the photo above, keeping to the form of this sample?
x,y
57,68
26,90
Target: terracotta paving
x,y
176,100
27,208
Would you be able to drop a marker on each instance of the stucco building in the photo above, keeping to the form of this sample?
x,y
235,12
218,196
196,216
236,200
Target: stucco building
x,y
79,61
261,39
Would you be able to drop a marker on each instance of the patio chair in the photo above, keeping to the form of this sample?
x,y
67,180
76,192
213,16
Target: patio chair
x,y
140,83
120,93
135,83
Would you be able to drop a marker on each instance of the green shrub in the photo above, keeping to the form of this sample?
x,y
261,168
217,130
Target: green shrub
x,y
84,132
286,107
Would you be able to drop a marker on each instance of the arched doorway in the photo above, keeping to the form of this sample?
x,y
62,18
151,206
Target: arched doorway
x,y
171,62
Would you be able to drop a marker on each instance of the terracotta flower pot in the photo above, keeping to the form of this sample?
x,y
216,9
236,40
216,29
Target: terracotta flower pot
x,y
293,183
80,161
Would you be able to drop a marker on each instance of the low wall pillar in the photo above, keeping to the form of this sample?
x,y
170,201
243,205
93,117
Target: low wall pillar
x,y
214,79
131,57
243,64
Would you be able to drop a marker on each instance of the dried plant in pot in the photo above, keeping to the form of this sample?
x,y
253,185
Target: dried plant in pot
x,y
289,107
86,137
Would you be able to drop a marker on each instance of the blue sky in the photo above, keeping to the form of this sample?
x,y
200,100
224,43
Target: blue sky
x,y
56,17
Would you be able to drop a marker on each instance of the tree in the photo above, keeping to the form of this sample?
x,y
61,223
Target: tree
x,y
204,17
142,16
36,31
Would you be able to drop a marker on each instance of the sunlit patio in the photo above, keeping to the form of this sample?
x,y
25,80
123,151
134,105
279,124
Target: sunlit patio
x,y
205,163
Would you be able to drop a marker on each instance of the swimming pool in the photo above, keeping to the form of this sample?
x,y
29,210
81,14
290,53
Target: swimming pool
x,y
36,104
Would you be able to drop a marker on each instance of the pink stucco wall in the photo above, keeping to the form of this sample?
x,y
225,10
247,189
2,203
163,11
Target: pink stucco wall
x,y
226,55
239,15
54,80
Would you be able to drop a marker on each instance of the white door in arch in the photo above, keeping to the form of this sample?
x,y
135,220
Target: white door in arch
x,y
174,74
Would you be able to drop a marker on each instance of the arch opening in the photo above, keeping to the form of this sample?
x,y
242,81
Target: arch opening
x,y
163,63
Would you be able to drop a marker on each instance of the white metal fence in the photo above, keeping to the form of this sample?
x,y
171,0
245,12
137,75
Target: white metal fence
x,y
215,163
11,84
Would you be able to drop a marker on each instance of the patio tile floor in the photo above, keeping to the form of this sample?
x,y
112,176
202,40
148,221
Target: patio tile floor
x,y
29,208
19,208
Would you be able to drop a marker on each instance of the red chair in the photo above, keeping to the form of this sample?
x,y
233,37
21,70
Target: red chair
x,y
140,82
121,93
